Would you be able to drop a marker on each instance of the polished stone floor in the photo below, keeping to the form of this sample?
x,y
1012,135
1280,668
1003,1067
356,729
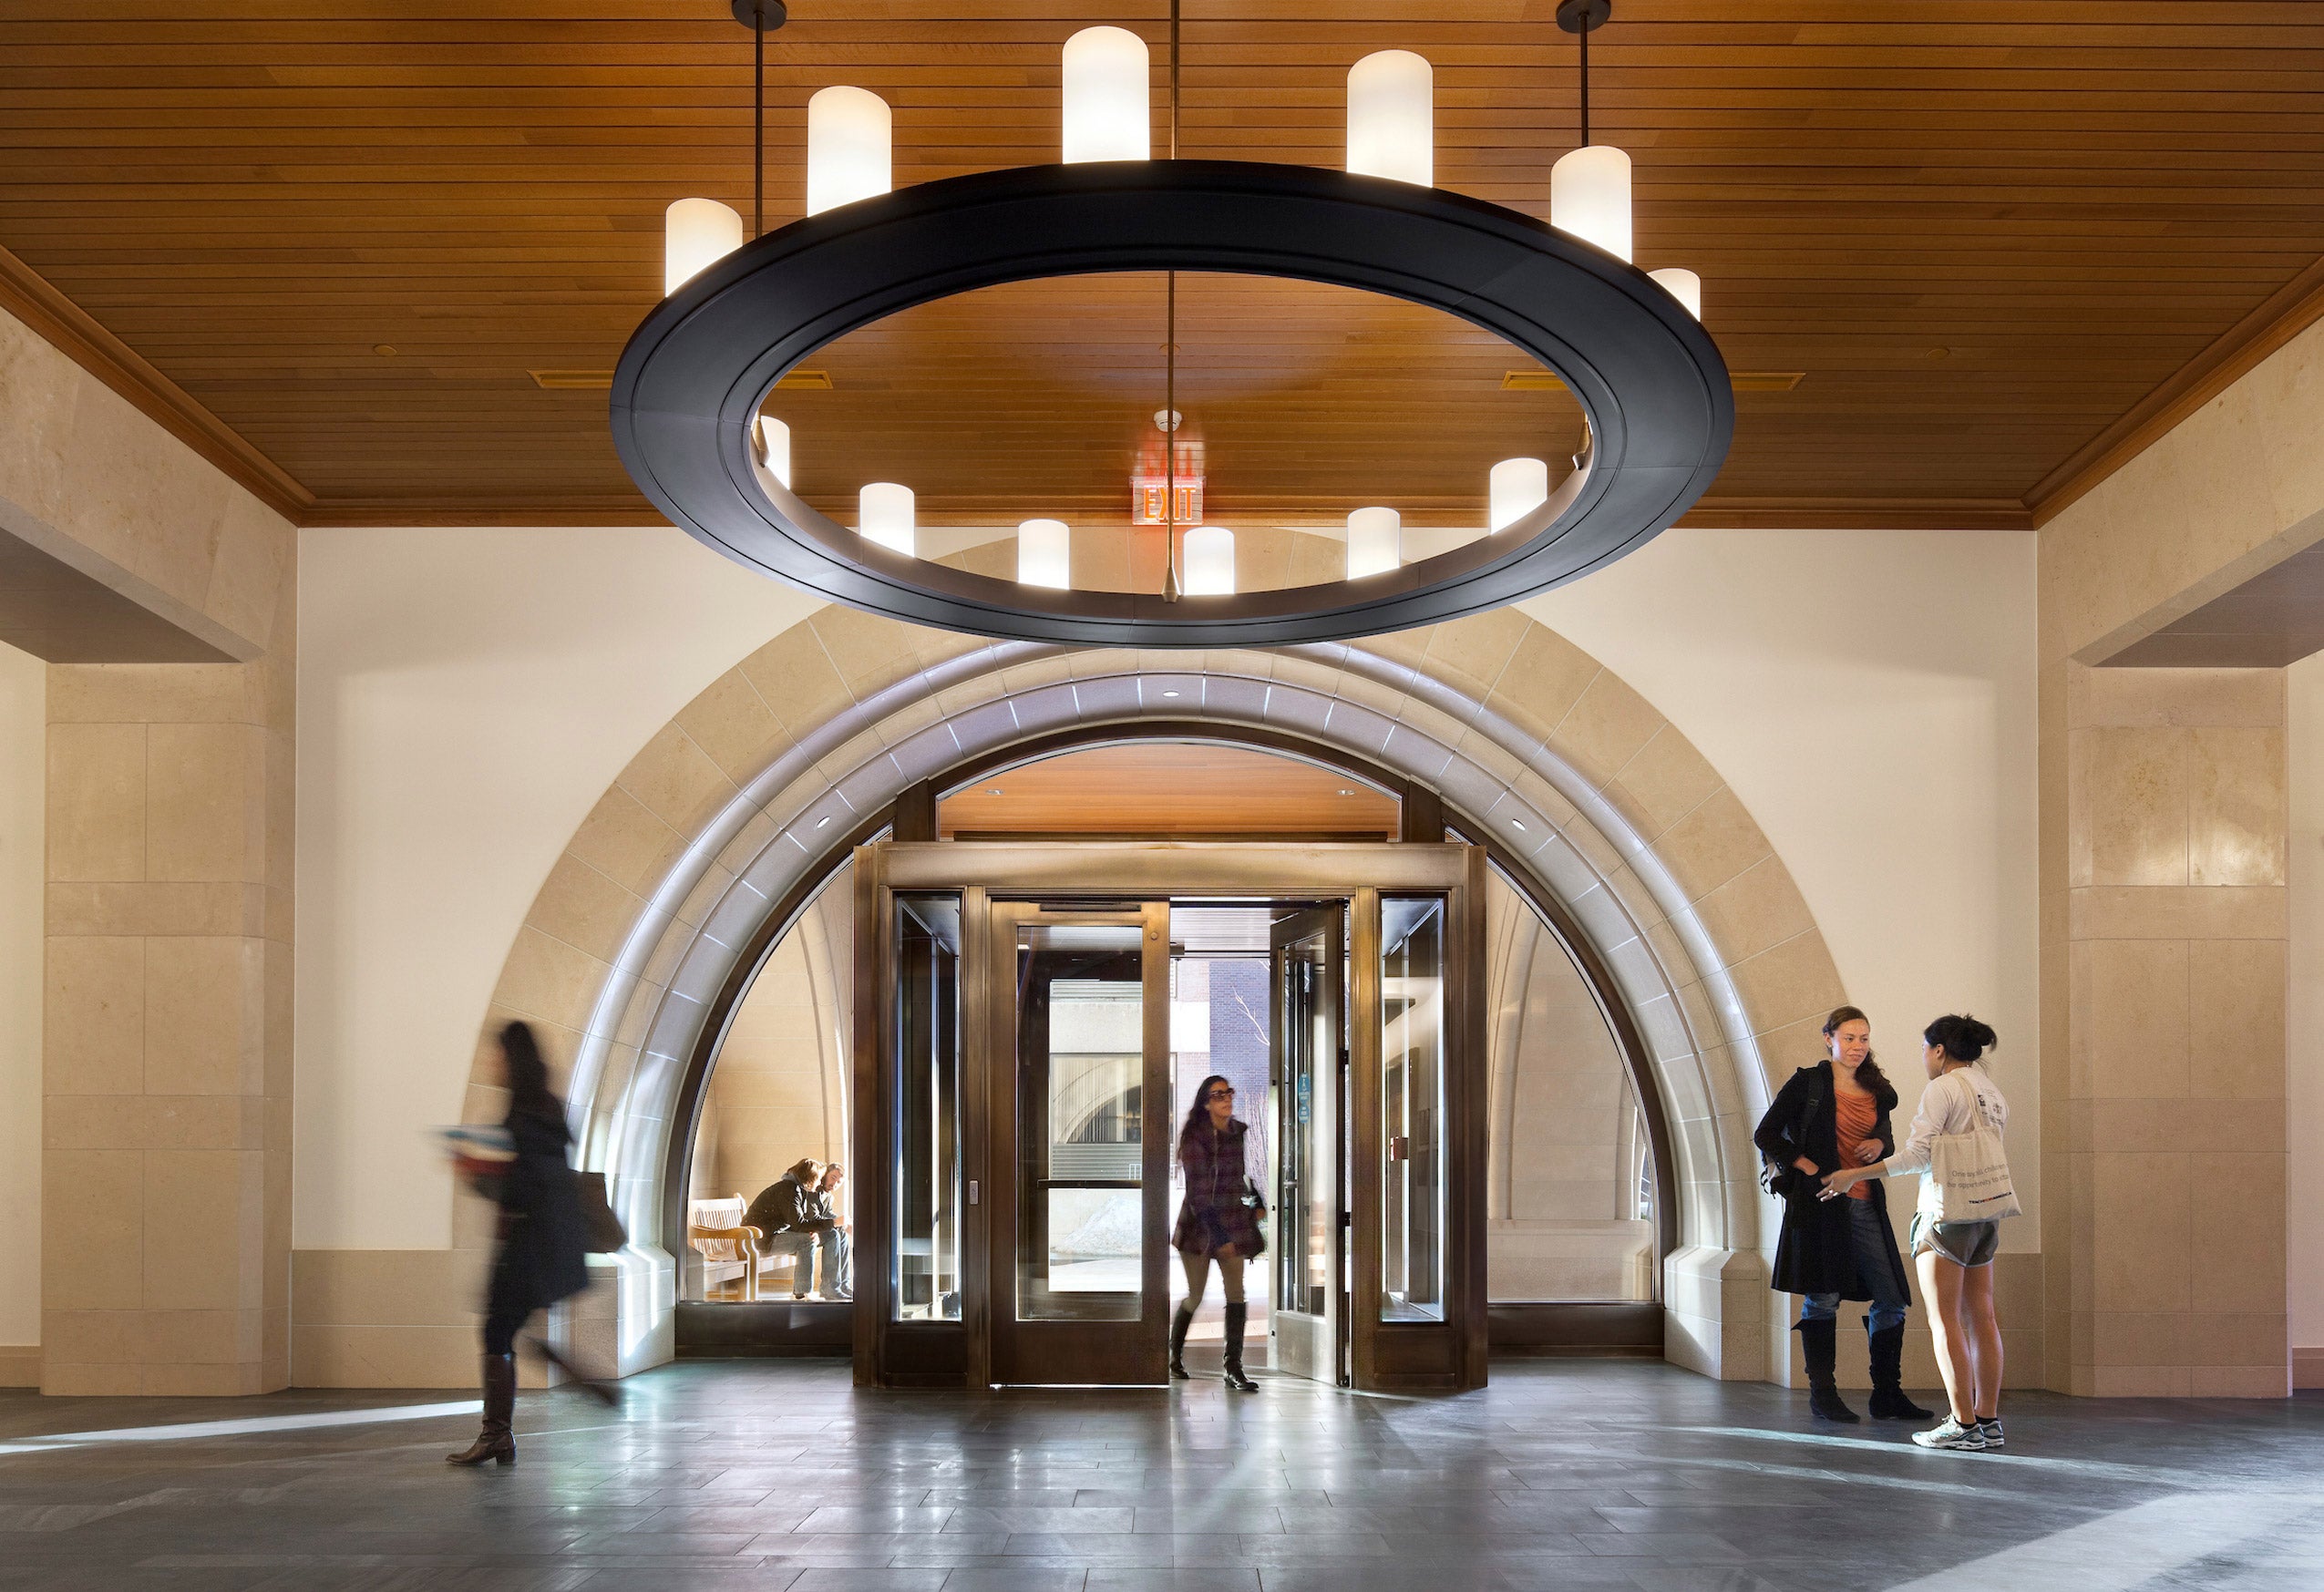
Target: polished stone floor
x,y
773,1474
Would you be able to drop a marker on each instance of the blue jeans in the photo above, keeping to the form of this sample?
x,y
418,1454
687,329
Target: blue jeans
x,y
1874,1246
838,1264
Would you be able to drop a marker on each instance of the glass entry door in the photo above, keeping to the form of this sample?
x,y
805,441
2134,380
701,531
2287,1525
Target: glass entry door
x,y
1309,1322
1079,1110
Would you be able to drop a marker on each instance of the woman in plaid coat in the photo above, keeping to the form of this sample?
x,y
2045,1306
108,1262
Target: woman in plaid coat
x,y
1219,1220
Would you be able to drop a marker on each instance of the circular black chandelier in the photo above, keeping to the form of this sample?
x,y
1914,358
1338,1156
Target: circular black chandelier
x,y
1650,383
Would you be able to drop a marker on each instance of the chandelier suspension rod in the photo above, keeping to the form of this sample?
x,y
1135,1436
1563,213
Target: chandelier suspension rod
x,y
758,128
1170,367
1585,87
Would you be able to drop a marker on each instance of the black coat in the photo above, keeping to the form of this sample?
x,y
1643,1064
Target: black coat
x,y
544,1239
1816,1253
787,1205
1217,1178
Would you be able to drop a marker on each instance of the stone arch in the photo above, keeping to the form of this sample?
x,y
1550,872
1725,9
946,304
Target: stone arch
x,y
801,747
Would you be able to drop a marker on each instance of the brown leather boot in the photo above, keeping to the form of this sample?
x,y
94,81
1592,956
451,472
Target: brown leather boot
x,y
498,1441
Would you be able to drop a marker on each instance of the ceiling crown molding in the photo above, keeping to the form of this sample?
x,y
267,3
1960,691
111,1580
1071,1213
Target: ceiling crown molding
x,y
28,296
2283,315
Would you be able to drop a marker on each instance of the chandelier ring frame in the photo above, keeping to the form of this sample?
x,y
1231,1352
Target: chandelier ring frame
x,y
696,372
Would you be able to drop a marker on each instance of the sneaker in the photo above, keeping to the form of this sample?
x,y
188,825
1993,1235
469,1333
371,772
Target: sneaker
x,y
1951,1433
1992,1431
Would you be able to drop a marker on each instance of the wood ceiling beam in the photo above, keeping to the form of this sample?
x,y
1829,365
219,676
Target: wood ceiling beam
x,y
30,298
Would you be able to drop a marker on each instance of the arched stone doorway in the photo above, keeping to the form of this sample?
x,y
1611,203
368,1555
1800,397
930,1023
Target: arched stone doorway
x,y
730,814
1579,1209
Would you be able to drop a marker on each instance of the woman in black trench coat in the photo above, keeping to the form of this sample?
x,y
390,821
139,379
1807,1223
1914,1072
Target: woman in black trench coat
x,y
1833,1115
542,1255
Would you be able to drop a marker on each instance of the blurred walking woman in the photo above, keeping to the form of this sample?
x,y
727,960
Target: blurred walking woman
x,y
542,1257
1219,1221
1955,1258
1829,1116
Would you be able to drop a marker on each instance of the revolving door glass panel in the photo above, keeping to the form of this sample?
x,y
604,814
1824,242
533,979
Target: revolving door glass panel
x,y
1081,1109
1307,951
927,1237
1412,1057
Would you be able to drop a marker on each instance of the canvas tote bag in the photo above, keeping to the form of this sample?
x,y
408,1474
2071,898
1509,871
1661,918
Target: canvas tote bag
x,y
1971,1176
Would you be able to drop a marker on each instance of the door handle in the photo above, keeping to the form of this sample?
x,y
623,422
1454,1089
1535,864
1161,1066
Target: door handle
x,y
972,1191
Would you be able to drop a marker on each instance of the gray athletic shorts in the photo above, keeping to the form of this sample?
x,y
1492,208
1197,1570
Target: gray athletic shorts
x,y
1962,1243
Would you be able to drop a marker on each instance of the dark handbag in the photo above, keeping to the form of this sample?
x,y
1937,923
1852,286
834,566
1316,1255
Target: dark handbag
x,y
606,1234
1780,1178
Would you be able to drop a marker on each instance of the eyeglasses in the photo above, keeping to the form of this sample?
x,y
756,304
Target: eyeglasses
x,y
1222,1094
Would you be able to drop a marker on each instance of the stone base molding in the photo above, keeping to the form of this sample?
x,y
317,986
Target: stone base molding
x,y
2017,1301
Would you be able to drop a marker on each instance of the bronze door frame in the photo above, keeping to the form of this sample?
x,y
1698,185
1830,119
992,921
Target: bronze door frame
x,y
1027,1352
1317,1340
1447,1354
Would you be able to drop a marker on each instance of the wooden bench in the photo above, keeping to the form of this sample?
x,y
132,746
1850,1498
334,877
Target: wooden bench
x,y
729,1250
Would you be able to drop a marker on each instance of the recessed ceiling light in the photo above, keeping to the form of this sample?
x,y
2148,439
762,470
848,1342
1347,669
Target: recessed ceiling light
x,y
991,790
1169,694
823,820
1347,793
1518,823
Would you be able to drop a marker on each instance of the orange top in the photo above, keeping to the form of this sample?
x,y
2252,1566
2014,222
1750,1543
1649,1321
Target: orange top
x,y
1857,1114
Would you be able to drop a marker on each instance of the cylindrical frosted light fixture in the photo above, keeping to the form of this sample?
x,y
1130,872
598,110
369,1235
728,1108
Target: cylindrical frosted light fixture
x,y
1517,488
850,138
1375,542
1105,92
1045,554
695,232
1590,197
1392,117
775,447
1683,285
884,515
1209,561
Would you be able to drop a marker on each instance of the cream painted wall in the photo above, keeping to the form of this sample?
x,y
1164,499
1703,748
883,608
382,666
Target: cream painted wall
x,y
1870,696
2304,1013
24,760
465,696
1887,751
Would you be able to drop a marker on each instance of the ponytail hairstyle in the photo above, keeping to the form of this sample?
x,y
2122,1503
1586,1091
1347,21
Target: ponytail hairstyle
x,y
1868,1075
1963,1038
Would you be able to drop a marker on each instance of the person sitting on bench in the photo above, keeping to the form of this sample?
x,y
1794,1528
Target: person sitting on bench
x,y
839,1282
789,1216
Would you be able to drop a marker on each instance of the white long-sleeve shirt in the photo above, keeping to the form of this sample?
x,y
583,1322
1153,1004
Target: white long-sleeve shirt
x,y
1950,1104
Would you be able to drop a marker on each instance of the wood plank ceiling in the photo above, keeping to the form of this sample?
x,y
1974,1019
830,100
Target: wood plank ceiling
x,y
1985,231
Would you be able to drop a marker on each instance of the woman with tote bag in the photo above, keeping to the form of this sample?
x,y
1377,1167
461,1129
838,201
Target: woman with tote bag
x,y
1965,1193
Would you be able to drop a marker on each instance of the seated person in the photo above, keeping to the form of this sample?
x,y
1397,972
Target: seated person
x,y
839,1282
787,1214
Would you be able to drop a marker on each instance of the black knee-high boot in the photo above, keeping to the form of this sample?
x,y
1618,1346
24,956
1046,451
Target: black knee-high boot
x,y
1178,1325
498,1440
1819,1341
1238,1313
1889,1401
